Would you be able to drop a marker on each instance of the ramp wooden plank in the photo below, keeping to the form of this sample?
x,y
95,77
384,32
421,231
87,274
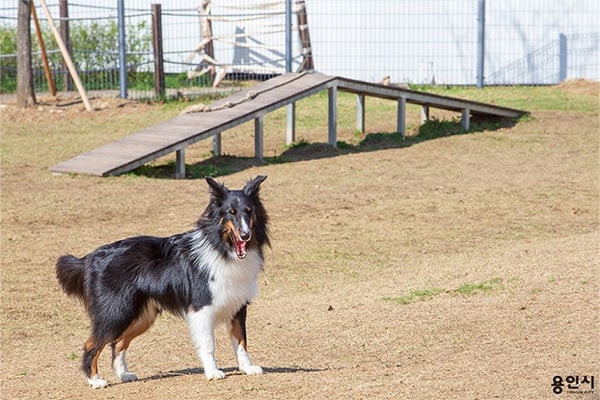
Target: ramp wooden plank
x,y
148,144
426,99
175,134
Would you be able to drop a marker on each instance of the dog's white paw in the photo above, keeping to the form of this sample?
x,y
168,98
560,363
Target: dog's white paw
x,y
97,383
214,374
128,377
252,370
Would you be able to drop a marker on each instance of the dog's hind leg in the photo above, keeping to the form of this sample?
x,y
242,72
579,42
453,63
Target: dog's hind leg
x,y
91,353
119,348
118,361
237,334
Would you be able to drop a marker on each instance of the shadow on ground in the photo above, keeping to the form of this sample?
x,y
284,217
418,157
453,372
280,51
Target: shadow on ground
x,y
228,371
226,165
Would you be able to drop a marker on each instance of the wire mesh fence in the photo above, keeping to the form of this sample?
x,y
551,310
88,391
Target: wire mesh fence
x,y
212,45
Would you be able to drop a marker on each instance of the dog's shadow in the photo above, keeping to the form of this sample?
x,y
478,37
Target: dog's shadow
x,y
228,371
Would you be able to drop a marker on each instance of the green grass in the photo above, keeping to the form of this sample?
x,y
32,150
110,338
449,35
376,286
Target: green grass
x,y
415,295
467,289
547,98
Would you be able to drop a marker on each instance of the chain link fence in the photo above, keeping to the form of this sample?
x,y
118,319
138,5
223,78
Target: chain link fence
x,y
223,44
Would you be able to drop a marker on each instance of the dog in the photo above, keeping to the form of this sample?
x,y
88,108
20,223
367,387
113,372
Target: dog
x,y
208,275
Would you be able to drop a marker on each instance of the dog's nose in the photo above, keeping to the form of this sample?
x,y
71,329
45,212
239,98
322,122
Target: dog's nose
x,y
245,235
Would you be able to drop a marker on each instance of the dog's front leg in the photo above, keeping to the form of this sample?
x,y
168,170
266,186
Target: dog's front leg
x,y
237,334
202,325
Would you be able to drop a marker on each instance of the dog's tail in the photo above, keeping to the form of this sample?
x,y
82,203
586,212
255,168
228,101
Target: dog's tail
x,y
70,272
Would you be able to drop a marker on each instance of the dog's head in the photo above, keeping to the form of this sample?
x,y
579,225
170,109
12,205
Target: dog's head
x,y
238,215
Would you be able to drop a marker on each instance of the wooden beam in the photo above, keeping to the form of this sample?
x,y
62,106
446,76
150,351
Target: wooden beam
x,y
63,9
307,63
428,99
40,39
157,49
67,57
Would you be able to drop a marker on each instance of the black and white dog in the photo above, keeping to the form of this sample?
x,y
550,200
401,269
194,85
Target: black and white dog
x,y
207,275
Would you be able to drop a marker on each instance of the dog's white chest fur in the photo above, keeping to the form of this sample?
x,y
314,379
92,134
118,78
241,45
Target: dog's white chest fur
x,y
234,283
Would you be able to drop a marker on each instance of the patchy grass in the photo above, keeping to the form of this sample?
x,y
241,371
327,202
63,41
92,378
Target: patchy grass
x,y
415,295
466,289
469,289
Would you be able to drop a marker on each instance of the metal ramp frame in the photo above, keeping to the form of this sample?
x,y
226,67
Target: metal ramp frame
x,y
179,132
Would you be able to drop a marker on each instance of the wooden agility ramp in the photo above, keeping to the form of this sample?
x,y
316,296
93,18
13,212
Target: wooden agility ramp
x,y
177,133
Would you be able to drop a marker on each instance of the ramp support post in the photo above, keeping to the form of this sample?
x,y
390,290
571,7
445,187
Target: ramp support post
x,y
424,114
401,117
180,164
360,113
332,102
465,122
291,124
258,137
217,144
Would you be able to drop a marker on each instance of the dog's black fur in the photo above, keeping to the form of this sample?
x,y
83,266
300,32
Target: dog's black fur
x,y
124,285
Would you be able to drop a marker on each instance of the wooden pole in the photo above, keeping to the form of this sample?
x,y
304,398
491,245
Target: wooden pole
x,y
206,25
159,71
307,64
63,9
40,39
67,57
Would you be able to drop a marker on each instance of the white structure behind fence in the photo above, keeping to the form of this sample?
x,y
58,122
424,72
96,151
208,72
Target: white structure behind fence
x,y
411,41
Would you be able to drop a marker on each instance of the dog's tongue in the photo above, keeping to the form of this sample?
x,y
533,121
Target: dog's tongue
x,y
240,248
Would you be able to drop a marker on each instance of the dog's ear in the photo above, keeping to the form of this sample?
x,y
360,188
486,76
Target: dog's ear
x,y
251,188
217,190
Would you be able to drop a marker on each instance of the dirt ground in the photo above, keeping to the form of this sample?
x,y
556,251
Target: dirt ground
x,y
461,267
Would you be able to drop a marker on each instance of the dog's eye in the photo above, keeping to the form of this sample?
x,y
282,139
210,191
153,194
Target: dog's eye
x,y
248,210
232,211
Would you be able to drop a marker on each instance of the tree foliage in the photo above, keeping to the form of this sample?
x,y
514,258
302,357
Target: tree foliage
x,y
94,46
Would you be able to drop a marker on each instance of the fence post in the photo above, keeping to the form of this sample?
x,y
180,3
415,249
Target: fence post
x,y
122,49
159,71
288,35
562,57
480,42
63,8
291,108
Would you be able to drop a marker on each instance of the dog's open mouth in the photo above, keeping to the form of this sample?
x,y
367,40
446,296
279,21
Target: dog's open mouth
x,y
240,247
